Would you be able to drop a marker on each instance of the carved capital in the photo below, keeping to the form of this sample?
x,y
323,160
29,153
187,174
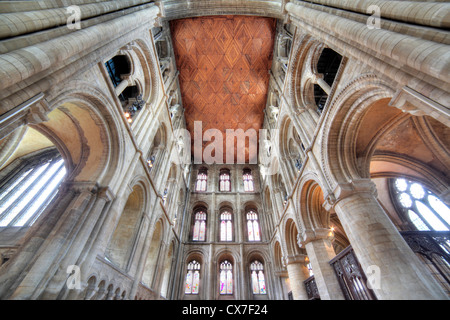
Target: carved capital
x,y
38,112
297,258
344,190
310,235
80,186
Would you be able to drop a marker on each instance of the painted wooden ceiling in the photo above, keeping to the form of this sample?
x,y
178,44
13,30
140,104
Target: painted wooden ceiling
x,y
224,64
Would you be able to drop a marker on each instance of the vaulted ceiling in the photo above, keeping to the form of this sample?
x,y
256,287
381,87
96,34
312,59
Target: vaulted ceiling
x,y
223,63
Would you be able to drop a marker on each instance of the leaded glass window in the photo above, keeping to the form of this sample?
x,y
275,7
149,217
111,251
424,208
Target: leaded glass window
x,y
258,279
226,277
226,226
253,230
224,181
248,181
202,177
192,278
199,226
423,208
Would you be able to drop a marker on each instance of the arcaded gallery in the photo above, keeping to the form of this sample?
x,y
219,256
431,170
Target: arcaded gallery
x,y
225,150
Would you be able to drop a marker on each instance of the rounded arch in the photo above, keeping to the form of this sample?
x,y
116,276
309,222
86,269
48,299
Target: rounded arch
x,y
313,214
149,65
120,247
226,205
342,126
153,254
86,132
256,254
290,238
278,256
157,150
167,269
296,68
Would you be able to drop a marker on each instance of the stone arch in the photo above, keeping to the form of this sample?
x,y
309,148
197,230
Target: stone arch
x,y
221,256
86,132
149,67
120,247
167,269
256,254
153,255
278,256
158,148
314,215
289,148
341,126
295,69
290,237
194,209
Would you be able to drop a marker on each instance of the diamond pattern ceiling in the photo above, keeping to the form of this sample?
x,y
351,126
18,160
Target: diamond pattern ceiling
x,y
224,64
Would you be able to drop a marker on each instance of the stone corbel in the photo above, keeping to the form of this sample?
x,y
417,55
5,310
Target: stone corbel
x,y
411,101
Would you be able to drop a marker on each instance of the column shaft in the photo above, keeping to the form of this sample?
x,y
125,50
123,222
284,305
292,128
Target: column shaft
x,y
377,242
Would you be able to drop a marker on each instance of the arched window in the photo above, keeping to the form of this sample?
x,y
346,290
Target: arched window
x,y
425,210
116,67
199,226
248,181
226,226
328,66
257,275
192,278
253,226
226,277
28,190
200,184
224,180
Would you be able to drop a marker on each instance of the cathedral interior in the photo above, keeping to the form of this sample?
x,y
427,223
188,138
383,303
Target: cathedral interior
x,y
224,150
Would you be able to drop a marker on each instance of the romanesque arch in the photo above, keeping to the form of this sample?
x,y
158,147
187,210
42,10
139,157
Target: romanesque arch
x,y
120,247
153,255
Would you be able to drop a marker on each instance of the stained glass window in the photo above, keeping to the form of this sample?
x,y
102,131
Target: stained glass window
x,y
257,275
226,277
192,278
248,181
199,226
253,226
226,226
424,209
200,184
224,181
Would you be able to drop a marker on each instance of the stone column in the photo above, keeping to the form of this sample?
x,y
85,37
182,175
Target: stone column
x,y
318,79
143,258
376,242
66,230
298,273
320,252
